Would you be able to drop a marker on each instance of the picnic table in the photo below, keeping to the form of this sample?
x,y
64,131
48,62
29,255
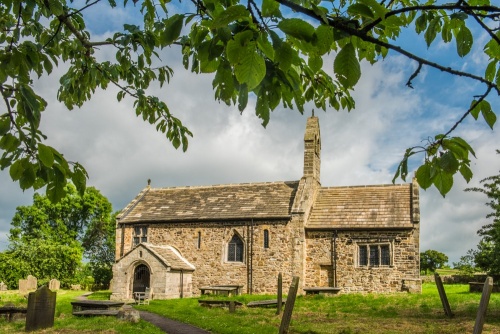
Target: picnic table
x,y
265,303
222,289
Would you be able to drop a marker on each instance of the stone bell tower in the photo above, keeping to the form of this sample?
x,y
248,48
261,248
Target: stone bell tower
x,y
312,149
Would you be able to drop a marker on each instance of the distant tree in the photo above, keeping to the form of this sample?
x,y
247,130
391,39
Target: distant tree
x,y
430,260
50,239
487,256
467,264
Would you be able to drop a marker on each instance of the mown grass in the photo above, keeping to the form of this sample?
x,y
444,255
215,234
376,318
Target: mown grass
x,y
66,323
343,314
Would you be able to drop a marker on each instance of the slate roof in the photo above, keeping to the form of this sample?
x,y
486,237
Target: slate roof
x,y
361,207
272,200
168,255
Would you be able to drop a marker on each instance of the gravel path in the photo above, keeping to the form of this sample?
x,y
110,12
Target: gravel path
x,y
170,326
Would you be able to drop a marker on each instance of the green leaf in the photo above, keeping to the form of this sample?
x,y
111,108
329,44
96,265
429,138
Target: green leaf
x,y
361,10
488,114
172,30
443,182
45,155
28,177
9,142
423,176
4,125
464,41
448,163
491,70
265,46
421,23
270,8
16,170
251,70
466,172
346,66
232,14
31,105
432,30
324,39
315,62
297,28
242,97
56,7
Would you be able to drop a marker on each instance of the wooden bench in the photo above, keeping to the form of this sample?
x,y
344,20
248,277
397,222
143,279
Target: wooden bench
x,y
231,304
142,297
265,303
226,290
322,289
86,305
10,311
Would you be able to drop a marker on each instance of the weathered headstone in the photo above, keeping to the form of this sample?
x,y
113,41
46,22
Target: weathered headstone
x,y
41,309
32,282
483,306
76,287
280,294
290,302
3,286
23,286
442,295
54,284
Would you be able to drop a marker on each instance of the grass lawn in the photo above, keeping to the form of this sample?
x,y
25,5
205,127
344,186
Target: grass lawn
x,y
343,314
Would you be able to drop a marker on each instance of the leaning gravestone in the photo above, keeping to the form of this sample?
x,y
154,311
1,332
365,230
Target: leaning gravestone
x,y
3,286
41,309
54,284
32,282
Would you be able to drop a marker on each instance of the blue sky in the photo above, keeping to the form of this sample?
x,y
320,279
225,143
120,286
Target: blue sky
x,y
364,146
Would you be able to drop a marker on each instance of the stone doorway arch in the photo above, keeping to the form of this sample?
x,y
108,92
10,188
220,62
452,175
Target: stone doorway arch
x,y
142,278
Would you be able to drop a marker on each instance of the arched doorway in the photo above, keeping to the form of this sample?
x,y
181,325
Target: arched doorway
x,y
141,278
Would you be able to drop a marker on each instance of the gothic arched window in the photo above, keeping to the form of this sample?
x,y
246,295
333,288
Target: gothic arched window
x,y
235,249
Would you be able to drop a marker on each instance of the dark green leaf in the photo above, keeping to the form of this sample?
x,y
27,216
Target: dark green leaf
x,y
16,170
297,28
270,8
443,182
4,125
448,163
466,172
464,41
346,66
232,14
45,155
172,30
423,176
360,9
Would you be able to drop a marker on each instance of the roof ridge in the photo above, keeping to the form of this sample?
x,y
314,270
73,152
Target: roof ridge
x,y
225,185
368,186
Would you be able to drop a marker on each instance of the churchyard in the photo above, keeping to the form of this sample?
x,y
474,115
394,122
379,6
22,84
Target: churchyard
x,y
353,313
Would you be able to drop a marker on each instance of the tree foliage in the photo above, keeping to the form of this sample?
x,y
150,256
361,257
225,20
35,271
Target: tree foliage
x,y
487,256
273,50
430,260
48,239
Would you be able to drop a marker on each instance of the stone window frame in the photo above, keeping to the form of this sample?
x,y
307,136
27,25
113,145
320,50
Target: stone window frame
x,y
198,240
139,234
236,259
369,258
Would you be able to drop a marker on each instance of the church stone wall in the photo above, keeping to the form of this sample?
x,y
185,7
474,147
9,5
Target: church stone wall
x,y
402,275
210,259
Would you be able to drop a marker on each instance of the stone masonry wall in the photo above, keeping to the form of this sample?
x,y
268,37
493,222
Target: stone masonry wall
x,y
210,260
403,274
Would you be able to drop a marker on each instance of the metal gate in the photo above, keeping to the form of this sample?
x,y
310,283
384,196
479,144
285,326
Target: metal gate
x,y
141,278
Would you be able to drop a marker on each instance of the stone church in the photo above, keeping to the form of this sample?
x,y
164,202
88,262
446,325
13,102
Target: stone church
x,y
343,239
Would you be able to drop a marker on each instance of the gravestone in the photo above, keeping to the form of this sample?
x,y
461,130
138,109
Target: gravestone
x,y
3,286
290,302
41,309
54,284
32,282
23,286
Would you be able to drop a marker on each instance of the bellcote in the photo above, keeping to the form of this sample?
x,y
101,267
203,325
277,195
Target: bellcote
x,y
312,149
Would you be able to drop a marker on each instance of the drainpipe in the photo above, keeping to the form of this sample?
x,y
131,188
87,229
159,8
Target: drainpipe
x,y
334,258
